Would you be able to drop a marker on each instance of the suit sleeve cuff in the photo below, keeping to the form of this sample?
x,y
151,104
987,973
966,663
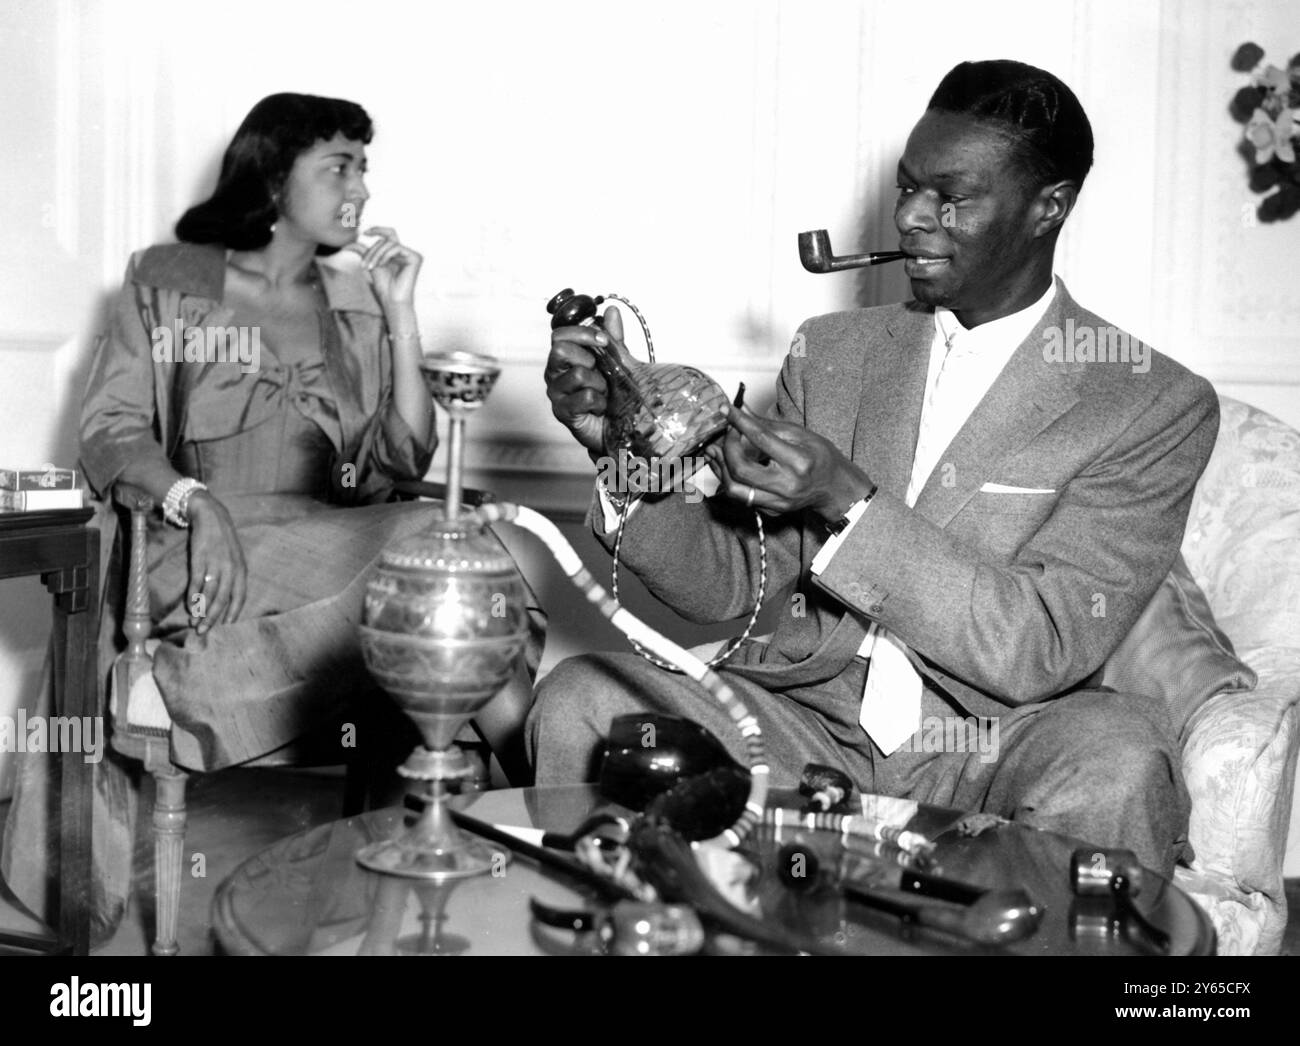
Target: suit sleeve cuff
x,y
827,552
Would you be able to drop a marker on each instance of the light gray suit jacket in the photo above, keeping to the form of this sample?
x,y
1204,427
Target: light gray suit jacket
x,y
1003,598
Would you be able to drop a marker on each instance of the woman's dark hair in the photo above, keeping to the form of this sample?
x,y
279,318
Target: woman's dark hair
x,y
1048,129
278,129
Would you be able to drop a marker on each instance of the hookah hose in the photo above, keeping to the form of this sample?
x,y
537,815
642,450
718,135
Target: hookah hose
x,y
681,658
734,645
626,511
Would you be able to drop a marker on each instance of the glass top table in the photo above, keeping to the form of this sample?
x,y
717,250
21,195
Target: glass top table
x,y
306,895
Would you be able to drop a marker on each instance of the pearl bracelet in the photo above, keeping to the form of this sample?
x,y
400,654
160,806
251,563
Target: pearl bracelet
x,y
176,504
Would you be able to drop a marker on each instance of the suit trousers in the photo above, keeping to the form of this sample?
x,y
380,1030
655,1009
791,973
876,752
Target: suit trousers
x,y
1098,765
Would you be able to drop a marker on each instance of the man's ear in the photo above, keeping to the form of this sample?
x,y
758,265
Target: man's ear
x,y
1053,205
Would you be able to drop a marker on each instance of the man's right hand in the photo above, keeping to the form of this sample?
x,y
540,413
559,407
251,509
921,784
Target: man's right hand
x,y
574,386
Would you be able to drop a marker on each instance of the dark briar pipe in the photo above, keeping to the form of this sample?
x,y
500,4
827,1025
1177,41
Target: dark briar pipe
x,y
815,253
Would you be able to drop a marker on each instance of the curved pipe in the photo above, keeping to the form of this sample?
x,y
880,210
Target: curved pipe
x,y
815,253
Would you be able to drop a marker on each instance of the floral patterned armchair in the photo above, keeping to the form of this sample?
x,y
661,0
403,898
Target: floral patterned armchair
x,y
1239,755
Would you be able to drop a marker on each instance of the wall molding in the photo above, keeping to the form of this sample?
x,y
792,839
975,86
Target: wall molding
x,y
42,341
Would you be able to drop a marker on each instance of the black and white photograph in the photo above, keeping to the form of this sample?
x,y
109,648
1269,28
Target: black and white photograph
x,y
742,479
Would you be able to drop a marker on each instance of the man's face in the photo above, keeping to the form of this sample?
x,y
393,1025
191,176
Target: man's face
x,y
965,215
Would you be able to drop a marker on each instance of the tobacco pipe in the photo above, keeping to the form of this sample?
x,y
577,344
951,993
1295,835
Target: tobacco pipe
x,y
1117,875
986,916
603,885
665,859
649,753
997,917
815,253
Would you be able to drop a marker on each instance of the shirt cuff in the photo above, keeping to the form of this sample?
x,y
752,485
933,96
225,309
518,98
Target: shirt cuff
x,y
608,511
827,552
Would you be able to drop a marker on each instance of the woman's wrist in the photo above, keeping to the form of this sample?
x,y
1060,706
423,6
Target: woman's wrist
x,y
403,327
200,503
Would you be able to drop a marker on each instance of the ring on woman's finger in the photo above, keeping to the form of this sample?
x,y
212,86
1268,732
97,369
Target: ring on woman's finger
x,y
208,578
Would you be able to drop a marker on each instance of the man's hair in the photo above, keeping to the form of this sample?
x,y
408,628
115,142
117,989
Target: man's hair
x,y
1049,132
276,131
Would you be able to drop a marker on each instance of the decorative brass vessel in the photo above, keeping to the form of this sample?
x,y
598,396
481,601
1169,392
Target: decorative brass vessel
x,y
445,621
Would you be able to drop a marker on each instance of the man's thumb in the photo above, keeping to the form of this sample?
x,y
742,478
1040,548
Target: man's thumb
x,y
614,322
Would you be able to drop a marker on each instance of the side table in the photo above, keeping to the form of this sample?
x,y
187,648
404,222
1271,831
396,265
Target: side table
x,y
63,548
306,895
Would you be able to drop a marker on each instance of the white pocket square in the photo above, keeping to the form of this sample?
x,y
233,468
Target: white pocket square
x,y
1003,488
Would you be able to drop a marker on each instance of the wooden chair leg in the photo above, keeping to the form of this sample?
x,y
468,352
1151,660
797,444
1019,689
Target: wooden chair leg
x,y
168,856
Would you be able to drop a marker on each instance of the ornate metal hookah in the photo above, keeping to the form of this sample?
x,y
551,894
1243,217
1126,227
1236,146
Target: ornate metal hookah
x,y
444,623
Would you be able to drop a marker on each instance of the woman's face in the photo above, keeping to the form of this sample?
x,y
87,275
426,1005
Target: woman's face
x,y
325,193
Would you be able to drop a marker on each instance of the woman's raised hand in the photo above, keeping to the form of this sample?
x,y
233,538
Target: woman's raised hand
x,y
218,575
392,266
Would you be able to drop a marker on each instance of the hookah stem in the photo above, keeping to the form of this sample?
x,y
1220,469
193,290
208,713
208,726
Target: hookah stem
x,y
633,628
852,825
455,463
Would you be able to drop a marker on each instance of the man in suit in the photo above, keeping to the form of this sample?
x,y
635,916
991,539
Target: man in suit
x,y
972,497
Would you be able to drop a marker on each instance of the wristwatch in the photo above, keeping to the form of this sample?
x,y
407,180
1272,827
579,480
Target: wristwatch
x,y
838,526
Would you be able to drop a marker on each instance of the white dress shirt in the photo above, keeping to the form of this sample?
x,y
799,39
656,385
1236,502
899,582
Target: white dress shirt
x,y
963,366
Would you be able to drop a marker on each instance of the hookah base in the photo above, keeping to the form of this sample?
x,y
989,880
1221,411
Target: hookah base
x,y
455,856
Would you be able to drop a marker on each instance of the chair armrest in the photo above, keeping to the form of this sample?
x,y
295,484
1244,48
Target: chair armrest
x,y
1239,761
131,497
136,618
412,489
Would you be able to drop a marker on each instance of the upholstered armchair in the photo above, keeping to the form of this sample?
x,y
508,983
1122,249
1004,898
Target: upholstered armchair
x,y
1239,754
1242,546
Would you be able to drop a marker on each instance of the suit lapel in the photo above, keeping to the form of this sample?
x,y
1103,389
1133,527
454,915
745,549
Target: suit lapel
x,y
884,441
889,404
1028,395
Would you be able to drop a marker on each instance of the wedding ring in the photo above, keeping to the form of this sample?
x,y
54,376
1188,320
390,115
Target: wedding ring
x,y
209,577
749,498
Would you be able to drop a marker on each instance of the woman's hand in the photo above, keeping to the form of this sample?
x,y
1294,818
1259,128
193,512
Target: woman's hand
x,y
787,468
393,267
218,575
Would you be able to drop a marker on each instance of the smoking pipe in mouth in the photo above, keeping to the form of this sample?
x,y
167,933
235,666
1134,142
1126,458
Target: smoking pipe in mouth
x,y
815,253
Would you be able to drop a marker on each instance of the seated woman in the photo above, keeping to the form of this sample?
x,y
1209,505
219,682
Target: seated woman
x,y
268,401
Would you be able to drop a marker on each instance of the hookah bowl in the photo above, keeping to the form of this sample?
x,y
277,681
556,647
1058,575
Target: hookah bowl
x,y
445,621
662,412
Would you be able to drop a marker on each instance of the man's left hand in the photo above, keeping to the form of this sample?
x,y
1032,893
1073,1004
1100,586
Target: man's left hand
x,y
789,468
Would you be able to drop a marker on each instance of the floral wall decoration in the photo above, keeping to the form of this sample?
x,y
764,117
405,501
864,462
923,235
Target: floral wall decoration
x,y
1270,109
